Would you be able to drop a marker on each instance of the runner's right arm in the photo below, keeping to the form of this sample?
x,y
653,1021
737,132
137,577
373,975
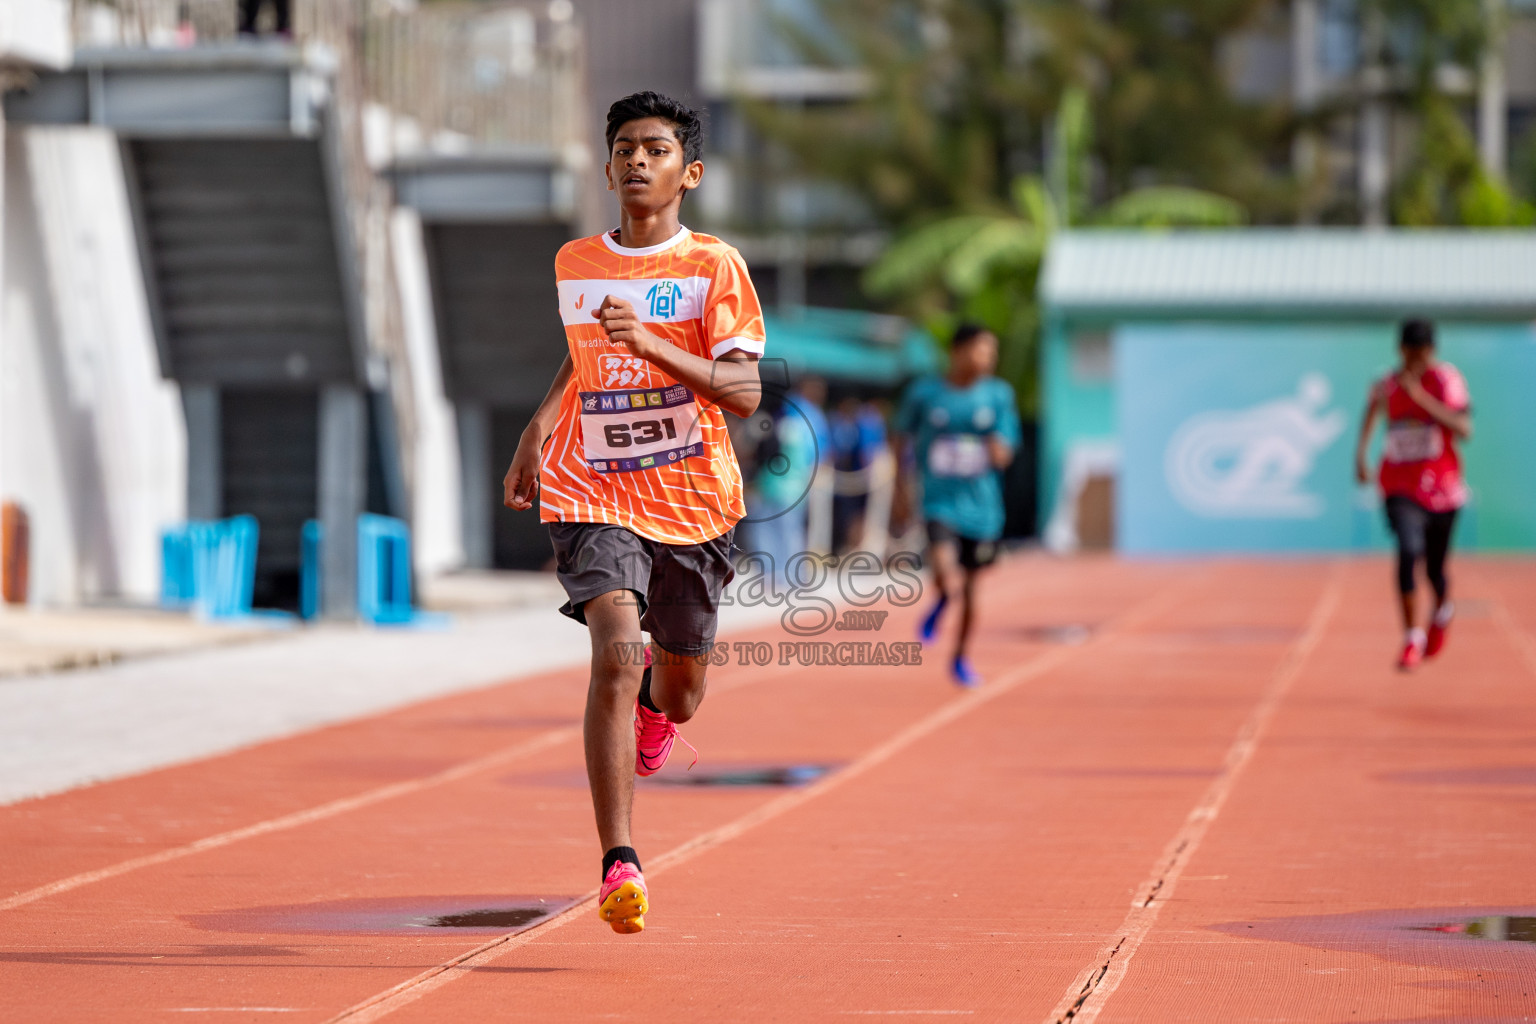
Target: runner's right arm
x,y
1367,426
522,478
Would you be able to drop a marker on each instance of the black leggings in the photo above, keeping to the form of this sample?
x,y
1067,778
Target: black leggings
x,y
1420,534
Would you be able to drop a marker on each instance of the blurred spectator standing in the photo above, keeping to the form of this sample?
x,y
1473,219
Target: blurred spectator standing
x,y
250,14
809,396
858,442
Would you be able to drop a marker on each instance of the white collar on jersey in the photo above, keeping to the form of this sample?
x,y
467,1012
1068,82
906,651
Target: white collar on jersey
x,y
649,250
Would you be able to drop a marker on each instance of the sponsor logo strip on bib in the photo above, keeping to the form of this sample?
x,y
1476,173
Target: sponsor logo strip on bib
x,y
1413,441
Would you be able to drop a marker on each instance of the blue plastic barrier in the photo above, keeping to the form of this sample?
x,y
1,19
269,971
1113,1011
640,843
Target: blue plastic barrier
x,y
383,570
309,569
177,587
211,567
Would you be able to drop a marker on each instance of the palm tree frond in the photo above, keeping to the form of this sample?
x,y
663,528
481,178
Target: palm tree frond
x,y
1034,203
1004,246
918,258
1169,207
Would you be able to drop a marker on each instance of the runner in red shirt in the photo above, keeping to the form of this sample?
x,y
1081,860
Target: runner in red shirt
x,y
1428,410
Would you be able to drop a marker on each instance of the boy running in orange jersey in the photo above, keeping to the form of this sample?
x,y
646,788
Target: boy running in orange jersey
x,y
635,471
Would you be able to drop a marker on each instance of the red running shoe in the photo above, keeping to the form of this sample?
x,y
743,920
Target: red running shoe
x,y
1413,653
1436,642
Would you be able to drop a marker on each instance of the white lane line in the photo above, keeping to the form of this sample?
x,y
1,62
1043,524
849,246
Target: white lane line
x,y
428,981
334,807
294,820
1096,984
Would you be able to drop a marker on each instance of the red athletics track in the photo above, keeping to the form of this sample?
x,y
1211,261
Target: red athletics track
x,y
1224,806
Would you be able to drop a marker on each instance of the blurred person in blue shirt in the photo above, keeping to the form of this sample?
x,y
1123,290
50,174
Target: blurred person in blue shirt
x,y
963,428
858,438
809,396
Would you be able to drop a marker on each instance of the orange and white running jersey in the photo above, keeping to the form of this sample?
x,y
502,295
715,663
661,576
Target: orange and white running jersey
x,y
633,447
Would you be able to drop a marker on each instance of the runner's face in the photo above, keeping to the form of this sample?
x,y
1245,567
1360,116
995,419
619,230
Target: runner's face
x,y
1417,360
979,358
646,167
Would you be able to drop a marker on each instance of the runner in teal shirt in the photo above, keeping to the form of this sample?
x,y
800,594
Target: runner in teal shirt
x,y
963,429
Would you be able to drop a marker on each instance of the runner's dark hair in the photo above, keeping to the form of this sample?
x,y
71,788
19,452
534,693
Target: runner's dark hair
x,y
965,334
1416,334
687,123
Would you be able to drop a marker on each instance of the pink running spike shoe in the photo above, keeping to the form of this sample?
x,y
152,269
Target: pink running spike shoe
x,y
654,736
622,900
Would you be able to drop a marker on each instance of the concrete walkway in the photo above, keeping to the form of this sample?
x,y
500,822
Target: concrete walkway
x,y
53,640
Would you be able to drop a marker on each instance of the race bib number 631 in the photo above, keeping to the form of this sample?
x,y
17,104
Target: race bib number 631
x,y
623,431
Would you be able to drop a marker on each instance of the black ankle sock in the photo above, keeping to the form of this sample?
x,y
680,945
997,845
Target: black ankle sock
x,y
618,853
645,692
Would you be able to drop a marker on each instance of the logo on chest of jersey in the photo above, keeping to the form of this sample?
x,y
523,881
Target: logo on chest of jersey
x,y
663,297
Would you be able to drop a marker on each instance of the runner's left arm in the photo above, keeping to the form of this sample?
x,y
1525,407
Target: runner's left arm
x,y
730,381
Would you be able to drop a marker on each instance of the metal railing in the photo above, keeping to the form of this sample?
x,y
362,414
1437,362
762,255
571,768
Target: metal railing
x,y
467,74
494,75
463,76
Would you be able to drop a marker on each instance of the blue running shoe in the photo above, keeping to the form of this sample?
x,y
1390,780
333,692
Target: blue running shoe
x,y
930,627
964,674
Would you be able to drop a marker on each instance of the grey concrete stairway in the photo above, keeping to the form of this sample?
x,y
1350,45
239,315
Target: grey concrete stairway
x,y
233,166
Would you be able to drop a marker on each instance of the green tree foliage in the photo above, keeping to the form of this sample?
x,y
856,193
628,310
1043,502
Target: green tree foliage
x,y
1425,49
962,94
975,140
985,266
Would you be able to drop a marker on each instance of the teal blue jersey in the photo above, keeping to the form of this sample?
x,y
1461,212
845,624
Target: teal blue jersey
x,y
949,427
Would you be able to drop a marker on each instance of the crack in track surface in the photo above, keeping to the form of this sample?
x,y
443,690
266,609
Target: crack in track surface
x,y
1088,996
428,981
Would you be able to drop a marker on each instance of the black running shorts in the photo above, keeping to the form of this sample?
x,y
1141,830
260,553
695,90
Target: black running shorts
x,y
677,586
974,554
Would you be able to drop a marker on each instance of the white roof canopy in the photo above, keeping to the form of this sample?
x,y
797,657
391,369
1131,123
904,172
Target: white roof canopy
x,y
1489,274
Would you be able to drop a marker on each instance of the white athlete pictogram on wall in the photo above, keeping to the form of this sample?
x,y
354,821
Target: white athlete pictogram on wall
x,y
1253,463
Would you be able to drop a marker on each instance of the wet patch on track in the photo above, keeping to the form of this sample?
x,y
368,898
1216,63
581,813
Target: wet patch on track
x,y
1495,928
473,915
1427,937
1071,634
676,775
744,775
1500,775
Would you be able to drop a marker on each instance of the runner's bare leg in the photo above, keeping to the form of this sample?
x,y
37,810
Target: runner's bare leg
x,y
967,611
608,730
677,684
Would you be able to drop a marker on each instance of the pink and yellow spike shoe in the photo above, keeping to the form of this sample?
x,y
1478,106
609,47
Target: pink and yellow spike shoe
x,y
622,900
